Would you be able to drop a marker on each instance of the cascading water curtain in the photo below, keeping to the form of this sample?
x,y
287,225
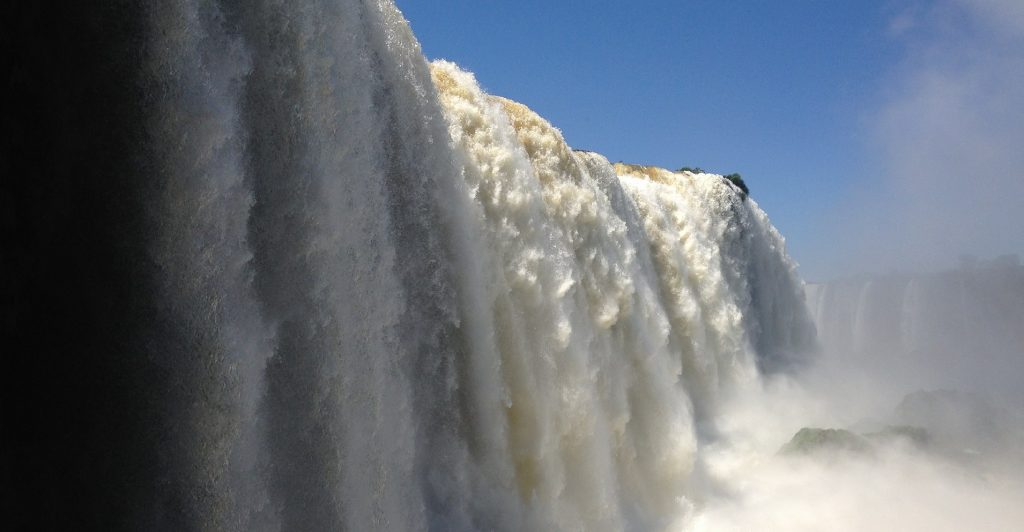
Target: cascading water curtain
x,y
271,270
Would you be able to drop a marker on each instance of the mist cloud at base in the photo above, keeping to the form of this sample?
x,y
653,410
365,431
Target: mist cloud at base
x,y
920,381
896,485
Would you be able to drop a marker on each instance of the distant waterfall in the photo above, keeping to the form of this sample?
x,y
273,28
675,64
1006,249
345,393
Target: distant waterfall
x,y
323,285
925,328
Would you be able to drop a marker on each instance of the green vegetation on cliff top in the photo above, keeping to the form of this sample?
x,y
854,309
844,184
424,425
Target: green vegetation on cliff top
x,y
735,179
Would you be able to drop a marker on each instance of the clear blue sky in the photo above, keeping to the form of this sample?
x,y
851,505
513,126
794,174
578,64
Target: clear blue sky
x,y
788,93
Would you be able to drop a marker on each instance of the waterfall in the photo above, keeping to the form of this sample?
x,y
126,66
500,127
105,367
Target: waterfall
x,y
296,278
928,330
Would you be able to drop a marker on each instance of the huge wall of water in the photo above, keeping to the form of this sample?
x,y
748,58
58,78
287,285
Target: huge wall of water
x,y
271,270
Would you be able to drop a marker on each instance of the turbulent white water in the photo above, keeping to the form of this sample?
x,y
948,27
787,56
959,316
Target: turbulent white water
x,y
612,312
383,299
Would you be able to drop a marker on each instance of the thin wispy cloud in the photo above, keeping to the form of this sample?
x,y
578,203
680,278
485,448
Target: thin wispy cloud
x,y
949,138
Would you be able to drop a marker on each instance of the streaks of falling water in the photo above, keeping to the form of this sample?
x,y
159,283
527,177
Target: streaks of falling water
x,y
364,294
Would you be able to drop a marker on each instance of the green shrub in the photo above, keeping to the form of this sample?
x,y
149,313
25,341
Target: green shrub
x,y
732,178
738,181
